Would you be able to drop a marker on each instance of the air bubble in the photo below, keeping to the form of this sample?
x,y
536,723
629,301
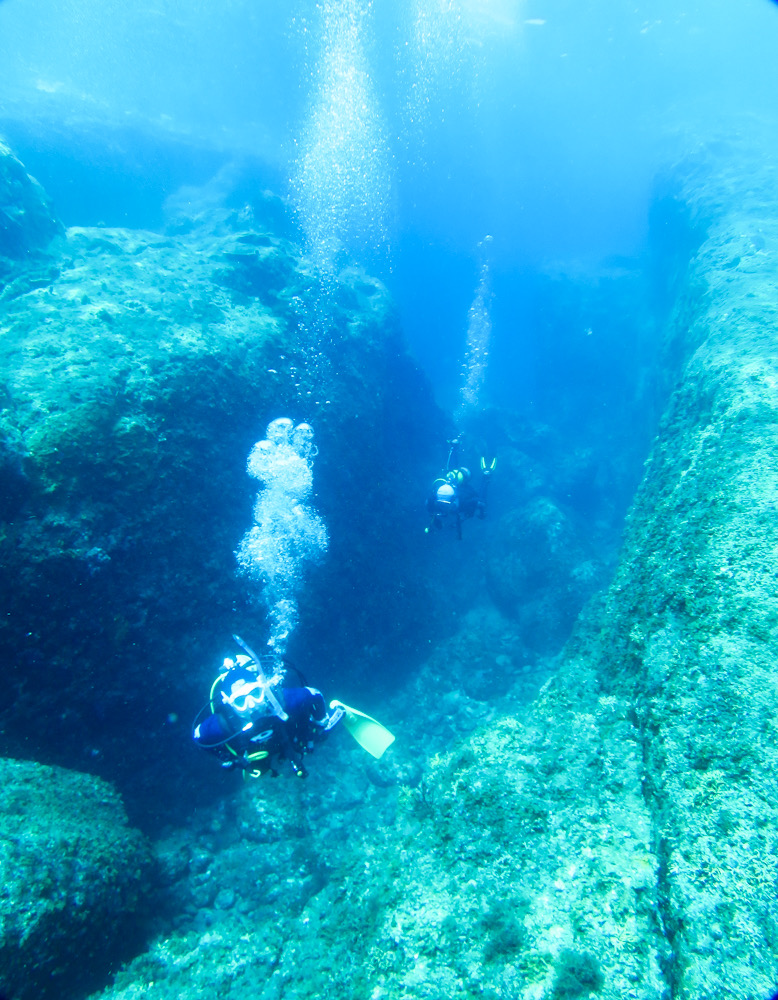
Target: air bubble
x,y
287,534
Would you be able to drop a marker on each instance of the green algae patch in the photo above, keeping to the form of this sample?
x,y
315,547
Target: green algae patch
x,y
73,877
537,840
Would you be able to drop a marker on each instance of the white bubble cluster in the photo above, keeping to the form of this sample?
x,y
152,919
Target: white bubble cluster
x,y
287,533
446,65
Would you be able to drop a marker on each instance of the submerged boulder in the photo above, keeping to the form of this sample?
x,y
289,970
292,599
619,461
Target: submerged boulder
x,y
73,875
541,571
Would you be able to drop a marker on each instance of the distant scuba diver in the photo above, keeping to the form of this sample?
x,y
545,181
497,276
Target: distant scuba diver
x,y
253,723
453,496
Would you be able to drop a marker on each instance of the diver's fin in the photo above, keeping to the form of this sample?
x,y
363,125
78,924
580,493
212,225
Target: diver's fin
x,y
488,467
368,733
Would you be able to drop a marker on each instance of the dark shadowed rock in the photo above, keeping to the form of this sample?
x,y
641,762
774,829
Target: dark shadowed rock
x,y
136,376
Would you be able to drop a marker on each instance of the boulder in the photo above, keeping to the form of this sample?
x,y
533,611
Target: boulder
x,y
73,875
540,572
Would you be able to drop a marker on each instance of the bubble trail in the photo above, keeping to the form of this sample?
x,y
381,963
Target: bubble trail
x,y
479,332
287,533
341,183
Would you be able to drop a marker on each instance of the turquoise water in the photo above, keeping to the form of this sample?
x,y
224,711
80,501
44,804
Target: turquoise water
x,y
422,126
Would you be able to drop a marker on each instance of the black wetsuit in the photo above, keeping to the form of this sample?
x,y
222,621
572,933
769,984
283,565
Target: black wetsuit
x,y
257,741
465,502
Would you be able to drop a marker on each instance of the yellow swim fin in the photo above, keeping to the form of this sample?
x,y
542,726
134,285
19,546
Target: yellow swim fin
x,y
368,733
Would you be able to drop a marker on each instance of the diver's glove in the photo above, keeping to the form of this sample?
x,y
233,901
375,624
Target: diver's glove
x,y
334,717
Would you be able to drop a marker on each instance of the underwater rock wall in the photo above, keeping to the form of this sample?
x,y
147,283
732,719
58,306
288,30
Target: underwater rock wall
x,y
624,829
693,613
136,371
618,837
27,223
627,822
615,839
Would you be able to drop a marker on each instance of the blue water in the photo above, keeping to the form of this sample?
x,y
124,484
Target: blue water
x,y
541,124
505,167
498,164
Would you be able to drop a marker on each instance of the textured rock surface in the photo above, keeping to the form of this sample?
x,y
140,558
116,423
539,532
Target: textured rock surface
x,y
555,519
521,861
693,615
541,570
72,877
136,372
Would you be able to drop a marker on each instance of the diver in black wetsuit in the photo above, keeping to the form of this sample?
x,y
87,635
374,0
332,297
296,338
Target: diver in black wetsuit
x,y
453,496
252,723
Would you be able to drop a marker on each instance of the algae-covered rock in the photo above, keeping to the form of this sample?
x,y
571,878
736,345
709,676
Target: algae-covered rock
x,y
614,839
693,614
73,875
531,845
521,865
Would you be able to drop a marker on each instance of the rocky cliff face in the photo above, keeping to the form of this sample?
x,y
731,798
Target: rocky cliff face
x,y
625,826
628,819
617,838
693,613
137,372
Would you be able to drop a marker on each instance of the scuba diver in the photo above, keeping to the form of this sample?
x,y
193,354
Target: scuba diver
x,y
253,723
453,496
